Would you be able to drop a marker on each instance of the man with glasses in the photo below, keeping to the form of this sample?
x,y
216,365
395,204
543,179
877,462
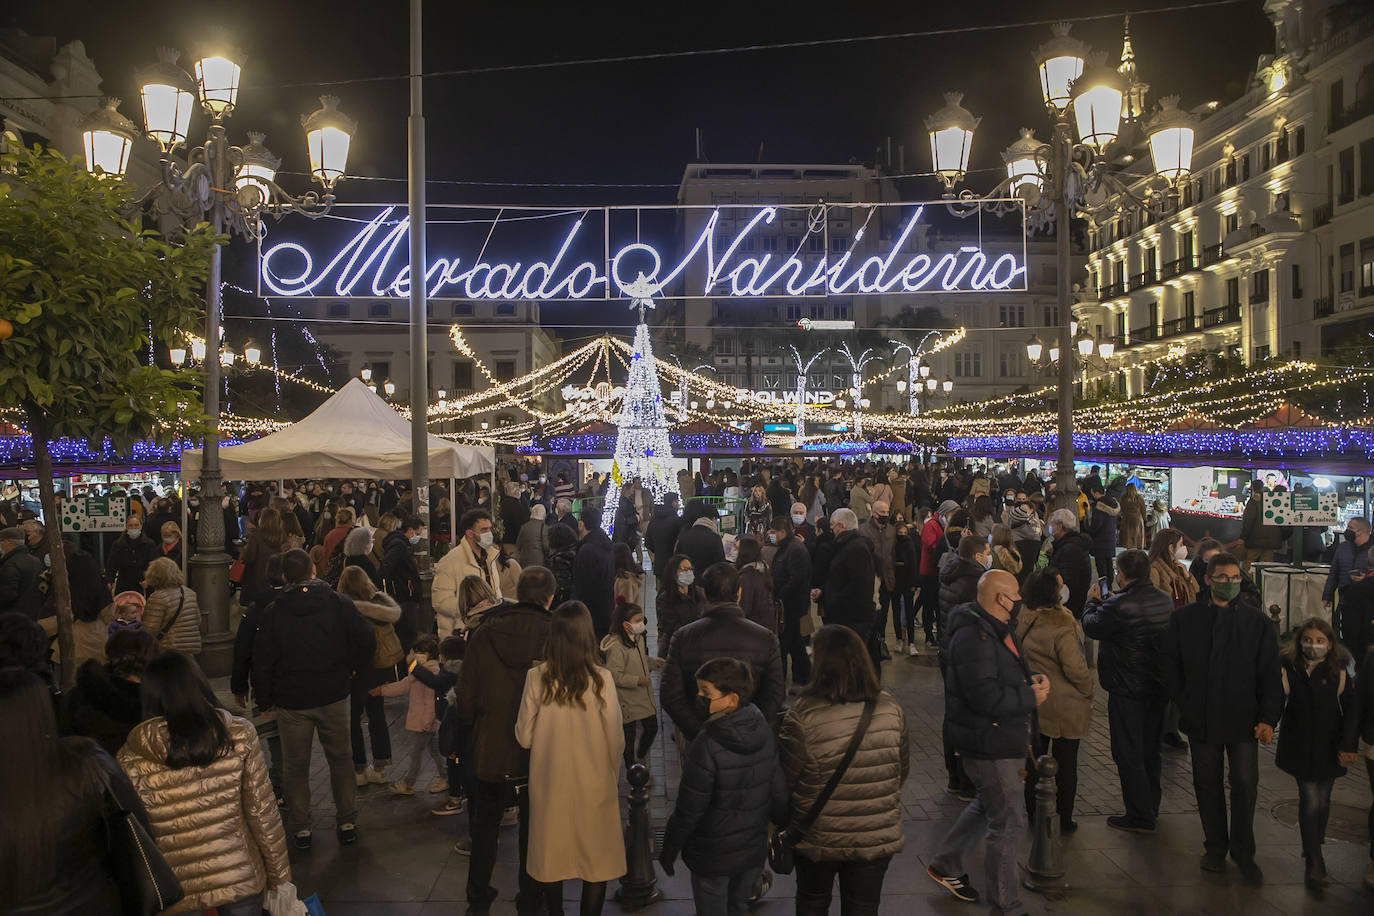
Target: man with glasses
x,y
1221,665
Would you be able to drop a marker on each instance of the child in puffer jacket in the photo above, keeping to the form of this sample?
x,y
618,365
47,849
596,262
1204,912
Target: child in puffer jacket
x,y
421,723
441,682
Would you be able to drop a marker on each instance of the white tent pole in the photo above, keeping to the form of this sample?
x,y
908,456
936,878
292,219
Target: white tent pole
x,y
452,512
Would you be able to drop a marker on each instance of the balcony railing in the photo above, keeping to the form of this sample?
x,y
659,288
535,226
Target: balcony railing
x,y
1178,266
1144,278
1144,335
1176,326
1211,255
1111,291
1323,306
1321,214
1213,318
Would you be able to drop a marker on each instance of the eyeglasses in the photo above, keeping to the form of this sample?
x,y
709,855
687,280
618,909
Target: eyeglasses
x,y
1226,578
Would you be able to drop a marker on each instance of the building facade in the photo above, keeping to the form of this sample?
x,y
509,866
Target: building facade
x,y
1267,250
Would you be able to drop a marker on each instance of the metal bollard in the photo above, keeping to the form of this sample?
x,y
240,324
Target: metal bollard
x,y
1045,867
637,889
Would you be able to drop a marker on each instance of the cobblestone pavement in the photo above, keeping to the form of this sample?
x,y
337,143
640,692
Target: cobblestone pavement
x,y
405,864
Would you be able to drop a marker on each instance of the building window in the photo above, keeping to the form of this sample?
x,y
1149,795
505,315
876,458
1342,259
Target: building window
x,y
1051,316
462,375
1245,167
1232,222
1185,248
842,312
1264,156
724,344
1261,352
1366,167
505,370
793,243
770,243
338,310
1296,272
1281,201
726,378
968,365
1189,304
379,309
1154,316
1367,266
1281,148
1230,171
1233,291
839,244
381,371
817,244
1011,364
462,310
1299,140
1336,111
747,244
1120,325
794,312
505,310
1347,267
1346,167
1259,286
817,312
1012,316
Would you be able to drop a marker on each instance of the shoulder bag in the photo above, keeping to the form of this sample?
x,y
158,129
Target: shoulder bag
x,y
167,627
388,652
782,843
147,884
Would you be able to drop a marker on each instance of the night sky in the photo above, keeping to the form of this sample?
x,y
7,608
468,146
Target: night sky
x,y
635,122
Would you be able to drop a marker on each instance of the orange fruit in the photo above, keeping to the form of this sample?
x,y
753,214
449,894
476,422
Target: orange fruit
x,y
6,329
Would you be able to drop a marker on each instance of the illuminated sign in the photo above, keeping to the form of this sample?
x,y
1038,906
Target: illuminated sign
x,y
734,251
818,396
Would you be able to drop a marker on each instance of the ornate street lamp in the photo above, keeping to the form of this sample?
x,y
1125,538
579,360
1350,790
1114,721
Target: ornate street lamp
x,y
1023,163
168,95
951,135
1097,96
1060,62
1171,140
366,374
1034,348
252,355
107,137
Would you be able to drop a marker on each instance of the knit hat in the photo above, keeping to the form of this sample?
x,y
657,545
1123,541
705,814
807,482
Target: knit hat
x,y
946,507
12,534
131,597
1020,515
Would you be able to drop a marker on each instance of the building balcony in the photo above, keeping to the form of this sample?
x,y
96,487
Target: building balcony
x,y
1144,335
1177,267
1323,306
1111,291
1260,297
1321,214
1215,318
1144,278
1175,327
1212,254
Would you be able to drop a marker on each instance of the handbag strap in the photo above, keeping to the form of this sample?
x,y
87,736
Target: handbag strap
x,y
181,603
809,818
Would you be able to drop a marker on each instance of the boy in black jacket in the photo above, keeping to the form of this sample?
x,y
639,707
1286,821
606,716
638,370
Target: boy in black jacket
x,y
732,786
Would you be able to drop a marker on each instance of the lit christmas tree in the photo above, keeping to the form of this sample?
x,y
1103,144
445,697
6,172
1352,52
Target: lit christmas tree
x,y
642,448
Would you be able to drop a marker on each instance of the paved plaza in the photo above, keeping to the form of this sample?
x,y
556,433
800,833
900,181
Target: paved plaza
x,y
404,863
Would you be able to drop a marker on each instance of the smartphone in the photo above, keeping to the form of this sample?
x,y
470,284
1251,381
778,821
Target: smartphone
x,y
1102,586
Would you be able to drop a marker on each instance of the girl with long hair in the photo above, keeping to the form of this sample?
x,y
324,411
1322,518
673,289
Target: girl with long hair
x,y
52,792
570,720
382,611
191,755
629,576
264,541
475,597
627,658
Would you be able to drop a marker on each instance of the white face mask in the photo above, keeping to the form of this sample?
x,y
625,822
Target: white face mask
x,y
637,628
798,519
1063,594
169,540
135,532
686,578
1180,553
772,537
484,539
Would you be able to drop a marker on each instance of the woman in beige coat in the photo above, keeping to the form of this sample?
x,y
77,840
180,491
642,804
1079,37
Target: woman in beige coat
x,y
211,809
1167,572
570,721
1053,646
629,661
171,614
1130,533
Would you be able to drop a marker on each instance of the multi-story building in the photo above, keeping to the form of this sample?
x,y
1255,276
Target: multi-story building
x,y
746,340
1268,248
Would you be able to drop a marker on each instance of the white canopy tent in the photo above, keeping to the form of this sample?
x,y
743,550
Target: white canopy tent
x,y
355,435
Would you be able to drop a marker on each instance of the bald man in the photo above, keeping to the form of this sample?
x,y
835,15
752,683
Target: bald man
x,y
990,698
802,530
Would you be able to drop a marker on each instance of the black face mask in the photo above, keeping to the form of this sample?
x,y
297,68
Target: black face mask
x,y
1350,535
705,703
880,520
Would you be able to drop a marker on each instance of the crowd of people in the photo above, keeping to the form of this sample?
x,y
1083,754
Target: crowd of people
x,y
535,682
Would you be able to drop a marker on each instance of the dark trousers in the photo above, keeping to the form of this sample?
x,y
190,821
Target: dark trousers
x,y
648,729
1369,768
957,779
363,702
592,902
861,886
1209,784
1135,726
492,799
930,606
885,596
1314,809
1065,753
793,646
904,614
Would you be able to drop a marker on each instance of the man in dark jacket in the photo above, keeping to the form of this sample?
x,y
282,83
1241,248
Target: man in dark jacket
x,y
662,533
401,576
500,652
990,701
1101,527
881,535
129,558
700,537
722,630
1072,556
792,586
1221,664
307,649
594,571
514,513
960,572
19,572
1357,618
1258,540
1130,625
1351,559
847,596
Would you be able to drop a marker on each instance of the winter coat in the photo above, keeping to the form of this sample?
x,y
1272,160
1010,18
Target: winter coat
x,y
958,581
731,788
932,544
791,571
575,755
1359,721
1348,557
701,543
847,597
661,535
1053,646
861,502
758,512
627,663
309,644
561,565
1102,527
1008,559
1173,580
1073,557
19,592
514,515
256,554
398,569
183,633
128,560
1356,612
756,596
532,543
822,551
419,699
216,825
863,819
594,578
1131,524
629,588
451,570
1131,625
1253,531
1222,669
882,542
101,706
244,637
989,704
1313,729
490,685
675,610
381,611
722,630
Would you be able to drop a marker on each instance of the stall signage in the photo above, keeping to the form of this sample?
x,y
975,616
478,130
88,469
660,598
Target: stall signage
x,y
1317,509
780,427
94,513
812,396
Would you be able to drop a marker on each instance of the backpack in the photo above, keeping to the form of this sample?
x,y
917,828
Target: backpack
x,y
334,565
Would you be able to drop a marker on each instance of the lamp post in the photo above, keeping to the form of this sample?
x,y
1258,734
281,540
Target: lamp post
x,y
229,187
1060,178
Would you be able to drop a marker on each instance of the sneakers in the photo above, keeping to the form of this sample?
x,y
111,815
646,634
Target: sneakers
x,y
439,785
348,834
511,817
360,779
1130,825
911,650
956,885
375,776
464,846
303,839
401,788
451,806
901,646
